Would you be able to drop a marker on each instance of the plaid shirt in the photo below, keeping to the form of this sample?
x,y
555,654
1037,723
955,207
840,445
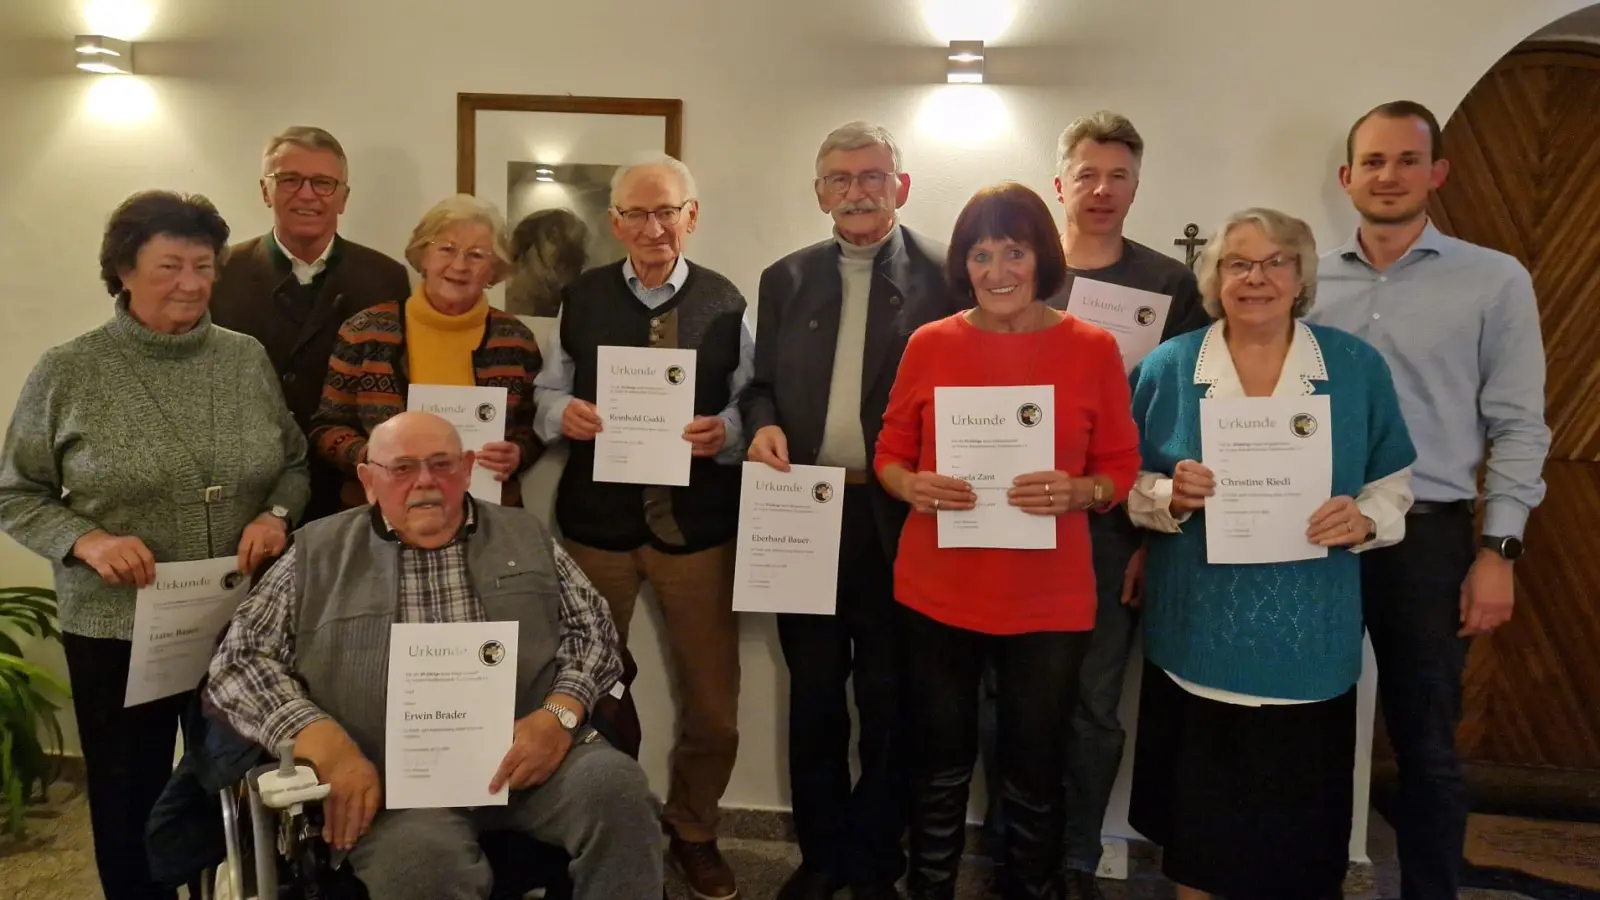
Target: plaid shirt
x,y
252,681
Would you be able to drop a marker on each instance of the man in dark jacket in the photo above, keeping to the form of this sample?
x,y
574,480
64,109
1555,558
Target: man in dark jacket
x,y
292,287
832,322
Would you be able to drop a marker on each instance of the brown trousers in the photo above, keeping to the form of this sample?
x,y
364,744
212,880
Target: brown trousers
x,y
695,593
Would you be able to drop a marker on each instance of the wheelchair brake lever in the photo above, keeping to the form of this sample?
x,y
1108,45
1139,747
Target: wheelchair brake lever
x,y
290,785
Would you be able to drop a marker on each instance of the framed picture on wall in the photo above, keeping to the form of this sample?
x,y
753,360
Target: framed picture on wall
x,y
547,163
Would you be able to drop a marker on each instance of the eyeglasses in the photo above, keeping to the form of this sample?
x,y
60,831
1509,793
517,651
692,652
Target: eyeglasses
x,y
1275,266
475,256
871,181
290,182
405,468
668,216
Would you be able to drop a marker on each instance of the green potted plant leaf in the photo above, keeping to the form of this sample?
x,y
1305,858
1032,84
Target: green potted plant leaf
x,y
28,764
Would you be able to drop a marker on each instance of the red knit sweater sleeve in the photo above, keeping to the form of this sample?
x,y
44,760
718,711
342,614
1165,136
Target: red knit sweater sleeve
x,y
900,439
1114,442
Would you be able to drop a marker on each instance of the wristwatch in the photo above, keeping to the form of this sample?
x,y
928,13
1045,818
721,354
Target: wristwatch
x,y
1098,501
281,512
567,718
1509,548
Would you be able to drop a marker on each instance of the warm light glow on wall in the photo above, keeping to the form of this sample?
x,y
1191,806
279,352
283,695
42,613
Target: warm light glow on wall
x,y
119,101
963,115
126,20
968,20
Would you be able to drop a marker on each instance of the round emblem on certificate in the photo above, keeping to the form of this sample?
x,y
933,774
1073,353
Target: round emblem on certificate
x,y
492,653
1303,424
1029,414
822,492
675,374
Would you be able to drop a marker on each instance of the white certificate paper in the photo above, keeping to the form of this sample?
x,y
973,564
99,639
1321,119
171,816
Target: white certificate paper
x,y
176,621
987,436
645,396
1134,317
479,415
451,708
788,552
1272,458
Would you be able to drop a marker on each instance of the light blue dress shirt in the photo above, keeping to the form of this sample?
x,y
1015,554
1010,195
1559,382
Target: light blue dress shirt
x,y
1459,327
552,390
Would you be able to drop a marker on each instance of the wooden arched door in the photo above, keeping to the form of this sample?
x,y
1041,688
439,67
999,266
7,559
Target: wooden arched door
x,y
1524,149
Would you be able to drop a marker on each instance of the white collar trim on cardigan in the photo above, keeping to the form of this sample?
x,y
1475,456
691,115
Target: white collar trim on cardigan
x,y
1304,363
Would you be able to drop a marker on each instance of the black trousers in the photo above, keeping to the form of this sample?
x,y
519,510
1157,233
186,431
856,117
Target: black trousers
x,y
127,756
1036,683
849,832
1412,597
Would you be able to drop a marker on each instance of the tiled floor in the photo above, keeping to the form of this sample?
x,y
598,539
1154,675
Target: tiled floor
x,y
56,862
763,866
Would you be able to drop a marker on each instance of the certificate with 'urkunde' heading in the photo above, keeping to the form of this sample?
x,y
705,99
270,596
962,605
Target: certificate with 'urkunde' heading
x,y
787,557
176,621
1135,318
1272,461
450,712
479,417
645,397
987,436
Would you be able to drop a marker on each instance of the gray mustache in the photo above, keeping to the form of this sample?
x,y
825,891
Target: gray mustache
x,y
859,206
424,499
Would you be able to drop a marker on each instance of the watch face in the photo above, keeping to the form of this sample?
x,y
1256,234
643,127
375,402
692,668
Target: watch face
x,y
1511,548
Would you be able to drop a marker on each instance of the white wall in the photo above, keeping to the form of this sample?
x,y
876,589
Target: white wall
x,y
1242,102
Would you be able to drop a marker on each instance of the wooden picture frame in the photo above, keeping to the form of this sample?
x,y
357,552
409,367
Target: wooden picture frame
x,y
469,105
547,163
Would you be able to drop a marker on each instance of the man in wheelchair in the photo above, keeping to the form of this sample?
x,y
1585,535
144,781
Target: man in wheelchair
x,y
306,659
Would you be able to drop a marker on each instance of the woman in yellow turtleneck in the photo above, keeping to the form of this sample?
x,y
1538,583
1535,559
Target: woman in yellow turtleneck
x,y
444,333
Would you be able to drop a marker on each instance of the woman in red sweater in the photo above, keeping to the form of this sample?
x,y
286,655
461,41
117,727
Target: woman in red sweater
x,y
1026,612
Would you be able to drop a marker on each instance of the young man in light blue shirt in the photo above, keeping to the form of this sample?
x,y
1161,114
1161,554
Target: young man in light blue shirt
x,y
1459,327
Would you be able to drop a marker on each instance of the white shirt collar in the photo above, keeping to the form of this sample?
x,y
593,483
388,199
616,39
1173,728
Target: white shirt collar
x,y
1301,367
305,272
680,274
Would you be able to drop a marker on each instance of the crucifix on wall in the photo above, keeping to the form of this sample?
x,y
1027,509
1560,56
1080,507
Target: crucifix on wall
x,y
1191,242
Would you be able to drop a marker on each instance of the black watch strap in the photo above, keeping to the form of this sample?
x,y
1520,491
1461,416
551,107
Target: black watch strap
x,y
1509,548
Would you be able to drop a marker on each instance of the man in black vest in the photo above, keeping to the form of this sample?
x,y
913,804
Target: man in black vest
x,y
292,287
833,321
678,539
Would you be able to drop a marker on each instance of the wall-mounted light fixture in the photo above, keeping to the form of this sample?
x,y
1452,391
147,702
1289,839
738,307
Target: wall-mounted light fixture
x,y
103,55
966,63
544,173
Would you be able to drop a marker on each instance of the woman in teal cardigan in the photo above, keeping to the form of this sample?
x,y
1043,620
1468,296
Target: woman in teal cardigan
x,y
1247,719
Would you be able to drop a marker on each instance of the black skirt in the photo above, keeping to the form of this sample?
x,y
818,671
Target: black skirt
x,y
1250,802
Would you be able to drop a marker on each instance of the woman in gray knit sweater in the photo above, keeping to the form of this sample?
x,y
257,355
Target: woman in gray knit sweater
x,y
157,437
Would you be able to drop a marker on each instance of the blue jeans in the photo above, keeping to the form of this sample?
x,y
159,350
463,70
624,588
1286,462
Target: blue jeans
x,y
1096,737
1411,593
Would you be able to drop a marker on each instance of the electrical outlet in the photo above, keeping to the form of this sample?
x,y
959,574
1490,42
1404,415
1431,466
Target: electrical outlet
x,y
1113,859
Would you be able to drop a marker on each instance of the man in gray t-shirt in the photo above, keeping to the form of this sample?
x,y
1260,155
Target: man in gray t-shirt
x,y
1097,165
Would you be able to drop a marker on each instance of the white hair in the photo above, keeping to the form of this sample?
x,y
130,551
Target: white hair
x,y
856,135
1289,233
685,177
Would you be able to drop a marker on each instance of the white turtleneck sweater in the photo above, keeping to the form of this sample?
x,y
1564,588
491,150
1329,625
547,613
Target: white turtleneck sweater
x,y
843,443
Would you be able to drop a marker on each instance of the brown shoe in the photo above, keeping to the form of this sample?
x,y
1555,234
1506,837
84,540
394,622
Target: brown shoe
x,y
702,865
